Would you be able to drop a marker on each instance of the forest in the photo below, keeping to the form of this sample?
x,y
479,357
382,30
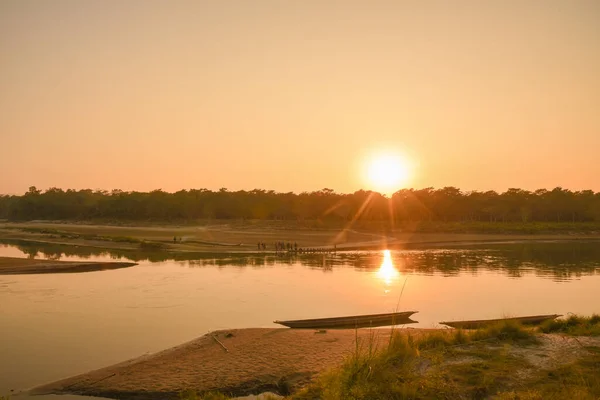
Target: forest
x,y
406,205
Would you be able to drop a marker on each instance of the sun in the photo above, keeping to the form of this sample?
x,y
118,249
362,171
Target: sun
x,y
386,173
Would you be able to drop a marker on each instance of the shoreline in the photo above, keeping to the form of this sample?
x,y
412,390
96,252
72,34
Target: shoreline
x,y
231,238
278,360
27,266
249,361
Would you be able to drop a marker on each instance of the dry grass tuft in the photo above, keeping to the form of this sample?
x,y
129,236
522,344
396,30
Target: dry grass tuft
x,y
575,325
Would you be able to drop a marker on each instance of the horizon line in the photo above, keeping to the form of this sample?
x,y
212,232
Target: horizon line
x,y
325,189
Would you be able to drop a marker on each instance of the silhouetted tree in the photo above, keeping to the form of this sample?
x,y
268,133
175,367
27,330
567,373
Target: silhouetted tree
x,y
405,206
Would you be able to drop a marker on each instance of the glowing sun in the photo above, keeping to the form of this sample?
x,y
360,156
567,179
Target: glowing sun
x,y
387,173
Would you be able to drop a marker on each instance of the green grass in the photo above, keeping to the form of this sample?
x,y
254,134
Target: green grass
x,y
118,239
394,372
193,395
505,227
459,364
579,380
484,372
506,331
575,325
152,246
75,235
482,227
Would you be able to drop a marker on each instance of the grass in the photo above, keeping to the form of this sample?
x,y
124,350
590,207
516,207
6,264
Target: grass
x,y
531,227
506,331
537,227
459,364
396,372
484,372
579,380
575,325
193,395
152,246
74,235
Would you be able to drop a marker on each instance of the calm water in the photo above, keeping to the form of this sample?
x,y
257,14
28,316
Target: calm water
x,y
57,325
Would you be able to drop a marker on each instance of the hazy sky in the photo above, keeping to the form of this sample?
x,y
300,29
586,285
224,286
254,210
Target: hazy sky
x,y
293,95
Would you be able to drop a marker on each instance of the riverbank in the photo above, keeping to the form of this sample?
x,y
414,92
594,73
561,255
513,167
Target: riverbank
x,y
504,361
295,363
235,362
18,266
235,236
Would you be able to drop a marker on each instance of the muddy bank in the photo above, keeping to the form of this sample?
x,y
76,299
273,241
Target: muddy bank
x,y
246,361
17,266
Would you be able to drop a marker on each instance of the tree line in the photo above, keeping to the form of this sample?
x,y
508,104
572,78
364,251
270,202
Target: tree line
x,y
406,205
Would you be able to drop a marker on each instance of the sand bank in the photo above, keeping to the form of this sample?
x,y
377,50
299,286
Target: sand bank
x,y
252,360
17,266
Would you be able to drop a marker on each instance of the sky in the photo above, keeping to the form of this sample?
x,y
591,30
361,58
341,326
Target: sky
x,y
298,95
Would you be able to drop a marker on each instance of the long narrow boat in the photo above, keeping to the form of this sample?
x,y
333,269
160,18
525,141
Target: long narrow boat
x,y
530,320
354,321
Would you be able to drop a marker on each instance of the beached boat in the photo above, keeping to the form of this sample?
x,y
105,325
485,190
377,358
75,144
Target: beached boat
x,y
354,321
531,320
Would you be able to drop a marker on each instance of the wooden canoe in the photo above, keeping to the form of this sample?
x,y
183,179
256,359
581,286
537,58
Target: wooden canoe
x,y
354,321
531,320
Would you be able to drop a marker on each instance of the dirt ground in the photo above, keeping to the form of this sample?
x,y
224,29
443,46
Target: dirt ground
x,y
11,266
246,361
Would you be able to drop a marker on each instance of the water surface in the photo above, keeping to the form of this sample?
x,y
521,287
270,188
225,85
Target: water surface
x,y
58,325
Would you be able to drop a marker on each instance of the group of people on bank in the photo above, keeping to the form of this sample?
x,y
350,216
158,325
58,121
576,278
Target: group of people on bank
x,y
290,247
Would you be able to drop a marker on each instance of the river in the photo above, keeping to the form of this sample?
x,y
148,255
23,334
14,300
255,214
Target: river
x,y
58,325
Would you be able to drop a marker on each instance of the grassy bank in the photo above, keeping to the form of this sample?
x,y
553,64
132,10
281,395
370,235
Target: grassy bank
x,y
506,361
231,235
377,226
458,364
428,366
575,325
503,227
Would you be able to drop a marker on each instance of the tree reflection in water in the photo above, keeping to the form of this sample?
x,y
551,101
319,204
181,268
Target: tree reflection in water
x,y
556,260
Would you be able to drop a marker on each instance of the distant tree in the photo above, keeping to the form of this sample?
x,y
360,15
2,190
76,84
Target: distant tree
x,y
404,206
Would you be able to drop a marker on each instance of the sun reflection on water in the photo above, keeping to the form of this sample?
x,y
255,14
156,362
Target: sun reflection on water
x,y
387,272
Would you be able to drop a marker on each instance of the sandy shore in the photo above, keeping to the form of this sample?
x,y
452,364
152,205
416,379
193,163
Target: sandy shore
x,y
250,361
256,360
17,266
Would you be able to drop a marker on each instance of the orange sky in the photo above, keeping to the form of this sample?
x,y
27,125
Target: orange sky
x,y
292,96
